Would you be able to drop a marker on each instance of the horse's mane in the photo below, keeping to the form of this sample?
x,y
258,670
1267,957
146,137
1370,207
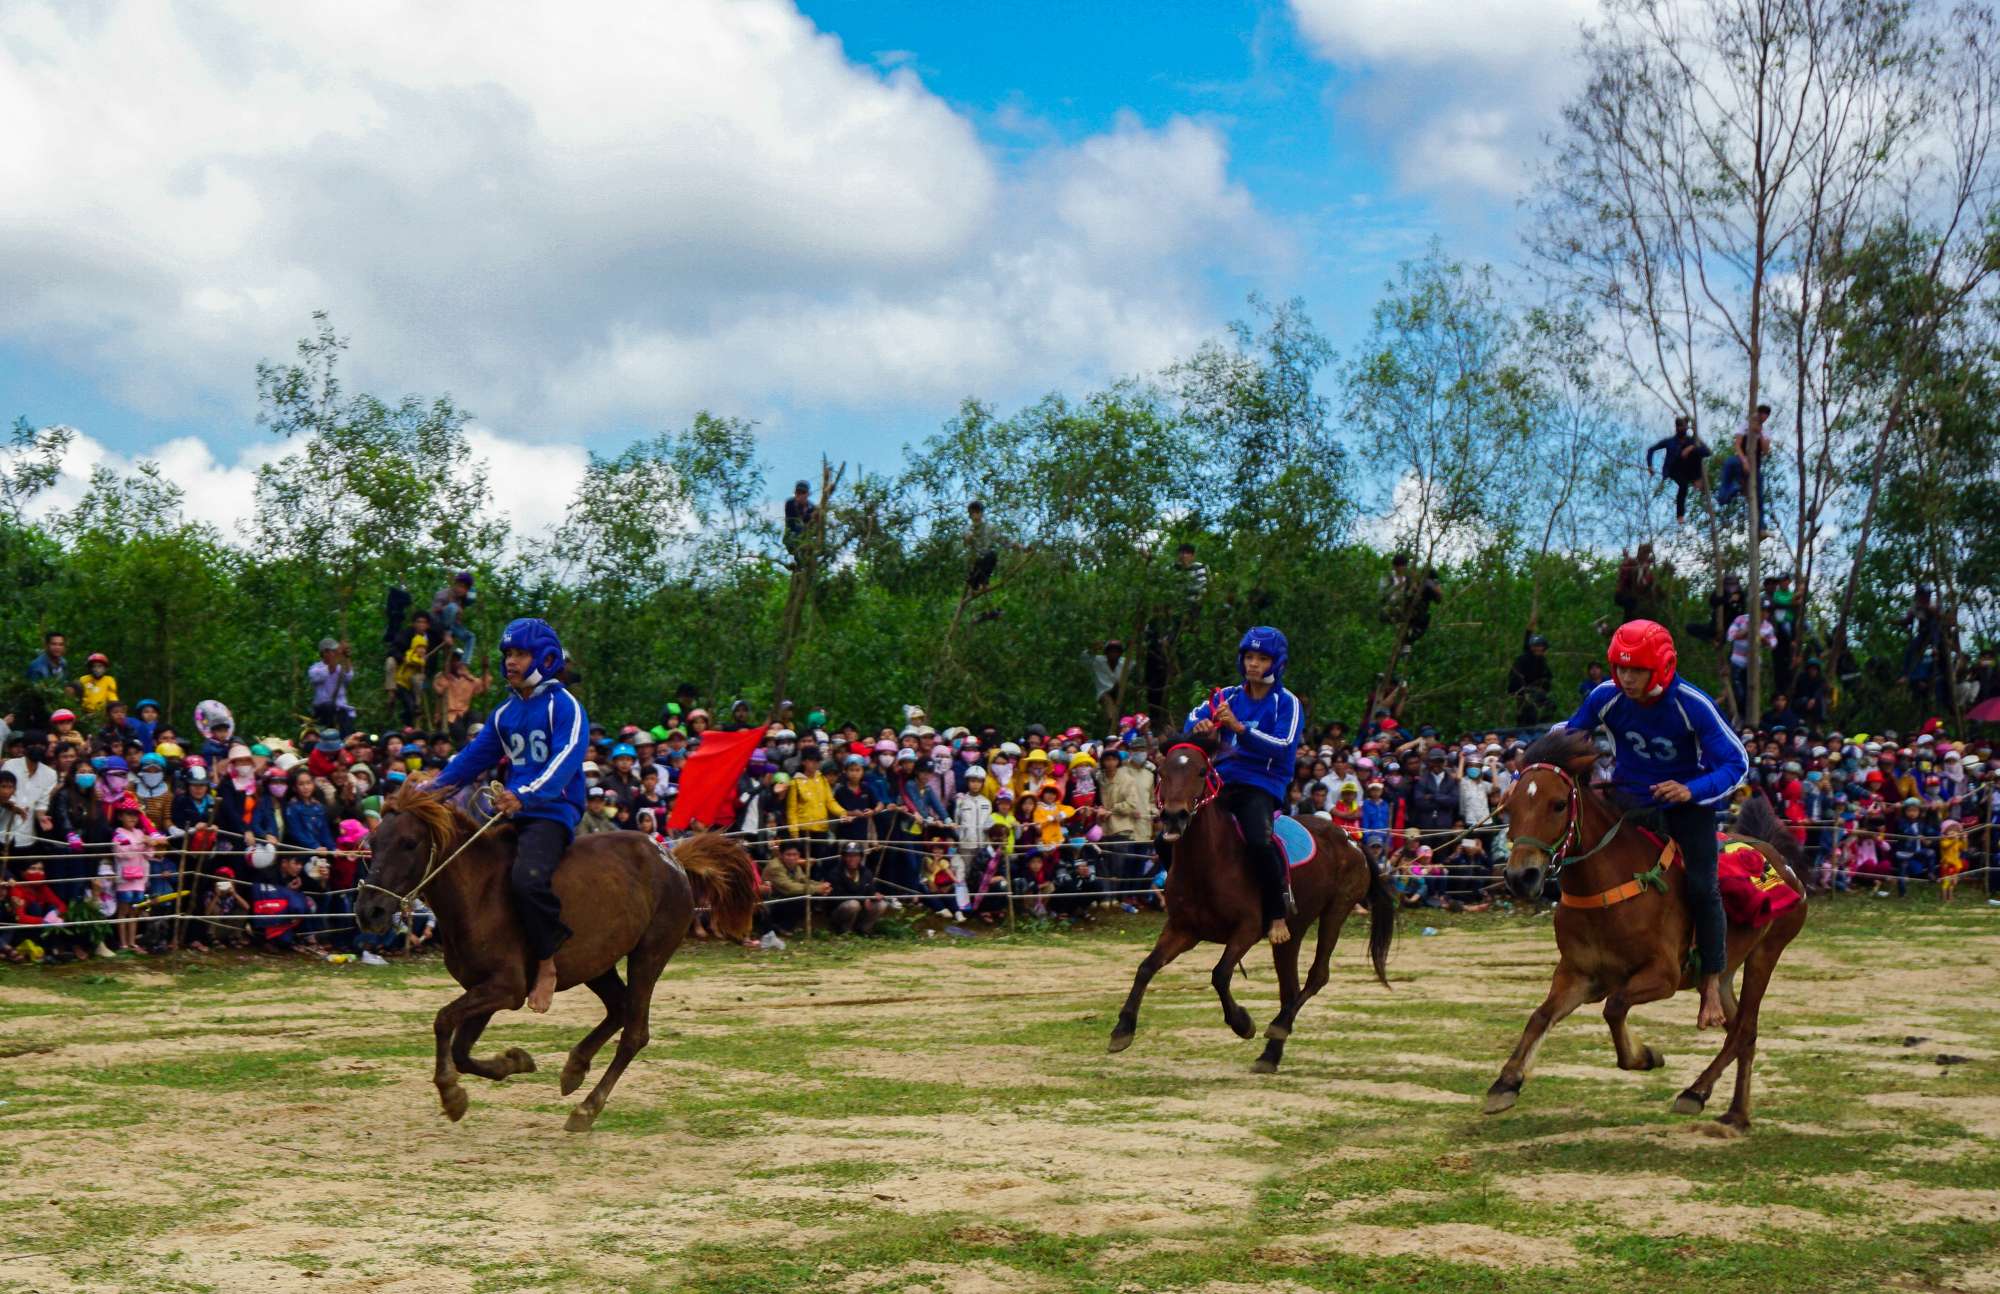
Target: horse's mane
x,y
444,822
1563,747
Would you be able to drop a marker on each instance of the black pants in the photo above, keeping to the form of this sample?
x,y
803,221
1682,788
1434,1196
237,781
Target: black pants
x,y
538,846
1253,807
1692,826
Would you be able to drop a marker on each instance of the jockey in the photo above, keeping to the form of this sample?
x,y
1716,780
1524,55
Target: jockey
x,y
542,733
1679,762
1259,723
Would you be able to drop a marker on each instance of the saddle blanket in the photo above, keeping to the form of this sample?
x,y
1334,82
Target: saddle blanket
x,y
1296,842
1754,893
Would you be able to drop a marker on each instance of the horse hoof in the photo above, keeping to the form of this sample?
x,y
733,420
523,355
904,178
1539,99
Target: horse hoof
x,y
580,1120
572,1076
1689,1103
1264,1065
455,1102
522,1062
1244,1026
1119,1042
1277,1032
1732,1125
1653,1059
1501,1099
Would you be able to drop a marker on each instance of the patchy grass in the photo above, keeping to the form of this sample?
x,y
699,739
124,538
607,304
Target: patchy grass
x,y
925,1113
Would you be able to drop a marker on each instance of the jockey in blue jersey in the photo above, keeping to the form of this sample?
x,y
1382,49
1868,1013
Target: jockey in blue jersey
x,y
542,733
1259,724
1677,762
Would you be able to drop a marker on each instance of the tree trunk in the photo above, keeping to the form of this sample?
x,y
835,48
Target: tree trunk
x,y
804,576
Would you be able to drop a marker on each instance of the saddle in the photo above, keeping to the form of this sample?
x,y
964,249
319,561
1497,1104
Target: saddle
x,y
1295,844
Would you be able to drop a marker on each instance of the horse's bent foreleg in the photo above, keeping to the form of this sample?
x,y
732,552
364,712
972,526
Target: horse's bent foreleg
x,y
610,990
481,999
511,1061
1173,941
1233,1013
1286,957
1567,991
1650,985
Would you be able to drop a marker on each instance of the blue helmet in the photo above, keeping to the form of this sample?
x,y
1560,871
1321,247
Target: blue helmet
x,y
624,748
535,636
144,703
1265,639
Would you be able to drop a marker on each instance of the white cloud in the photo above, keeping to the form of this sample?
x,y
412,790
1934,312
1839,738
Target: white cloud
x,y
626,209
1460,91
531,483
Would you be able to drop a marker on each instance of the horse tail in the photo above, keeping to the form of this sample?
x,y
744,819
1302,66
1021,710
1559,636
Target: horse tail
x,y
1759,821
1382,905
722,869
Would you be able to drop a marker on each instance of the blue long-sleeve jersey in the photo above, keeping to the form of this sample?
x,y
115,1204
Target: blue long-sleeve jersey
x,y
1680,737
1266,751
543,737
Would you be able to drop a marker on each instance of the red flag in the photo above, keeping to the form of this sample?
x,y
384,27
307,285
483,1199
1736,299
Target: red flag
x,y
708,780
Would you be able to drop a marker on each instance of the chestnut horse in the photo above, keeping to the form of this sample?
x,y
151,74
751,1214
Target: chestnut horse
x,y
1213,897
621,896
1623,928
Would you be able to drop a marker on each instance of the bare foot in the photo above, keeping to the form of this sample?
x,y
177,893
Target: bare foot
x,y
543,995
1279,933
1711,1016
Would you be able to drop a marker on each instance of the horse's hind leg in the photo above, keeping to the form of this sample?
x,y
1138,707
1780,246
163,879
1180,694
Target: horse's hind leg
x,y
1740,1046
1233,1013
611,991
511,1061
1173,941
644,966
1567,991
1286,957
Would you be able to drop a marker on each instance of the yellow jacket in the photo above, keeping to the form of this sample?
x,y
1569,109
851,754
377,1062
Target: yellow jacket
x,y
98,691
809,805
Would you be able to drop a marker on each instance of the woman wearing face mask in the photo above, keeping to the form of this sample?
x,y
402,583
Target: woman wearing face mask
x,y
153,791
237,791
267,822
79,820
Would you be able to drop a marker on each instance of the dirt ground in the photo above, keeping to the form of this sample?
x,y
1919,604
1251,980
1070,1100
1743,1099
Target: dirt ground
x,y
942,1115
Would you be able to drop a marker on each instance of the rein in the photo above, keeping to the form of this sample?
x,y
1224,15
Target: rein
x,y
407,900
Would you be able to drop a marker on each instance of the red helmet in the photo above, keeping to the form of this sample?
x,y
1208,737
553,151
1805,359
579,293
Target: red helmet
x,y
1648,645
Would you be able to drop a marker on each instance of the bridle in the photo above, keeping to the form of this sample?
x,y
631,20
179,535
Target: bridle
x,y
1211,780
407,900
1558,852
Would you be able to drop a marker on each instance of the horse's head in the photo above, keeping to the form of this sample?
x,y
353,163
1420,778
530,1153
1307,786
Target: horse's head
x,y
1542,808
417,827
1186,781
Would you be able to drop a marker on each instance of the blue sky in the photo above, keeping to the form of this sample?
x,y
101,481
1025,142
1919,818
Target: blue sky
x,y
586,235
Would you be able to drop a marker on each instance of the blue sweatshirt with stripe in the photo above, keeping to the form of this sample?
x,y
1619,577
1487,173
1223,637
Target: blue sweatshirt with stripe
x,y
1678,737
543,737
1264,753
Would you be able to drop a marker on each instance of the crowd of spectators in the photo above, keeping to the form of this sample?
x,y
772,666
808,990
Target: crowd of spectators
x,y
122,832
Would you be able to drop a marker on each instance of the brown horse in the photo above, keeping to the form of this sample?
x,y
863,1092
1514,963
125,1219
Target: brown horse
x,y
1623,928
620,895
1212,896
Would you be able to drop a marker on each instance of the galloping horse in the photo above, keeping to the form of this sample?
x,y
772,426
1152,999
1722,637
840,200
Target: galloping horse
x,y
620,894
1623,927
1212,896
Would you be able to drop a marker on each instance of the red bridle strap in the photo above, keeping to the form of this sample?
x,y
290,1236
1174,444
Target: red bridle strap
x,y
1210,780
